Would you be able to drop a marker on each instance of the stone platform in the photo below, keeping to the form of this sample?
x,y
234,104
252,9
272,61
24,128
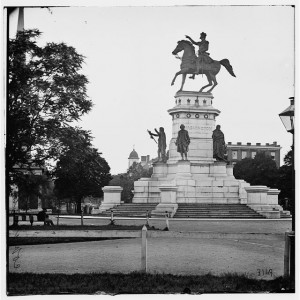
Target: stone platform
x,y
199,179
191,183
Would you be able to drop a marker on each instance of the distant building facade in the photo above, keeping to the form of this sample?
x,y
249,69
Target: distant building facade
x,y
145,160
238,151
133,157
15,202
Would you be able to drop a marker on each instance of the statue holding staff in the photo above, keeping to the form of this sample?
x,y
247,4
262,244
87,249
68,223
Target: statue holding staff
x,y
162,144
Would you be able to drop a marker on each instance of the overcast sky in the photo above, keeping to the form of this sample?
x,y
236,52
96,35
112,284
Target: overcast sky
x,y
130,67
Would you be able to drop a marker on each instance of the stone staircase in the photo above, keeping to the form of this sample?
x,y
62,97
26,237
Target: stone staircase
x,y
132,209
217,211
285,214
192,210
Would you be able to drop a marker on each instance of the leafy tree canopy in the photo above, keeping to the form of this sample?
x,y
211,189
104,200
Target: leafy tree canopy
x,y
286,180
261,170
81,171
46,92
126,180
30,187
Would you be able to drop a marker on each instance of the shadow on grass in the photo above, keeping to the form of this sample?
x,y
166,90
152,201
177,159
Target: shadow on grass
x,y
139,283
79,227
17,241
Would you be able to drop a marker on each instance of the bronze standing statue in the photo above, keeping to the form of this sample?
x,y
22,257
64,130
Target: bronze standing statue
x,y
219,146
162,144
182,142
203,64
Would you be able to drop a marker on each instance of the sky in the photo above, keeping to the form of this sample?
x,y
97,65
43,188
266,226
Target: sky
x,y
130,66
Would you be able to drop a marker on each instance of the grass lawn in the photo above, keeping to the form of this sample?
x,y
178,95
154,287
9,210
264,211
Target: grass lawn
x,y
138,283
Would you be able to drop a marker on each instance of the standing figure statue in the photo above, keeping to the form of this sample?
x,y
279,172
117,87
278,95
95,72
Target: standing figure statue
x,y
162,144
219,146
183,141
203,55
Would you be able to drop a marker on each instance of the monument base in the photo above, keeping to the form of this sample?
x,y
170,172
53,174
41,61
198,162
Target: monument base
x,y
186,182
200,179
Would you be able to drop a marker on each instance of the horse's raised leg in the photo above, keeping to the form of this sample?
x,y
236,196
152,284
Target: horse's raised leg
x,y
208,76
214,79
178,73
183,81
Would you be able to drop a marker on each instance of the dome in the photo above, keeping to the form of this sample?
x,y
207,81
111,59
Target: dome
x,y
133,155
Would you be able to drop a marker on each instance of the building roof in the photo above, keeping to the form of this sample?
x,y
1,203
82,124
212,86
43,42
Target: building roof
x,y
133,155
267,146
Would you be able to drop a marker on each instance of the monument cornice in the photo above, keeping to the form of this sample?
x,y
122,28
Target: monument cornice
x,y
193,94
195,109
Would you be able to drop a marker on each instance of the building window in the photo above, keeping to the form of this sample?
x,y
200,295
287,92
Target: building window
x,y
234,154
273,155
244,154
253,154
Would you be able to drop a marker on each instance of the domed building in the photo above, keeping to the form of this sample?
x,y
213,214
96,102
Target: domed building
x,y
133,157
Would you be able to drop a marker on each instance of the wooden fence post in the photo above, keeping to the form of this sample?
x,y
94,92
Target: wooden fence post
x,y
144,250
147,218
167,221
112,221
287,255
16,220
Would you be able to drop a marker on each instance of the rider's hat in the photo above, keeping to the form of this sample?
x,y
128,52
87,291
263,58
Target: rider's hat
x,y
203,34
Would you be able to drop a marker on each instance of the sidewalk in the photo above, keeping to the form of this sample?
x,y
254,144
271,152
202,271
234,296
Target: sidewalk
x,y
279,226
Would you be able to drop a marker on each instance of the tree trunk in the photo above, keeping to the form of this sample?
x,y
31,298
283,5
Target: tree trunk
x,y
78,206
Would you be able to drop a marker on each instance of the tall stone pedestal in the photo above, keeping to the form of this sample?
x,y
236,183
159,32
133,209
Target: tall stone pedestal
x,y
195,111
112,197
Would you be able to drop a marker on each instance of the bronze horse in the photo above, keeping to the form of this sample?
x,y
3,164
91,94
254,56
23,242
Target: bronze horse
x,y
188,66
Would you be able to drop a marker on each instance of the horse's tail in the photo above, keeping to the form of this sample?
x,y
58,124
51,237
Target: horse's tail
x,y
225,63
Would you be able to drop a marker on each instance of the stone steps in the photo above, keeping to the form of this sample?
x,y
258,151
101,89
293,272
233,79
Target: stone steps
x,y
132,209
285,214
216,211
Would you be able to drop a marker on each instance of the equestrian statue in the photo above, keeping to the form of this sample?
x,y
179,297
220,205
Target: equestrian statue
x,y
201,64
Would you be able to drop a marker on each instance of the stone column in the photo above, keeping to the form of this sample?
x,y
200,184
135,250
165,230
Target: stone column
x,y
160,170
112,197
257,199
183,169
195,111
218,168
168,200
272,196
229,170
168,193
257,195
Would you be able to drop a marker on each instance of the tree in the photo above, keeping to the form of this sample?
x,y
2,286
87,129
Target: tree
x,y
29,189
81,171
261,170
126,180
46,92
286,182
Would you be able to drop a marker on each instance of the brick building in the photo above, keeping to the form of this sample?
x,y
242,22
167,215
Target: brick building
x,y
238,151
